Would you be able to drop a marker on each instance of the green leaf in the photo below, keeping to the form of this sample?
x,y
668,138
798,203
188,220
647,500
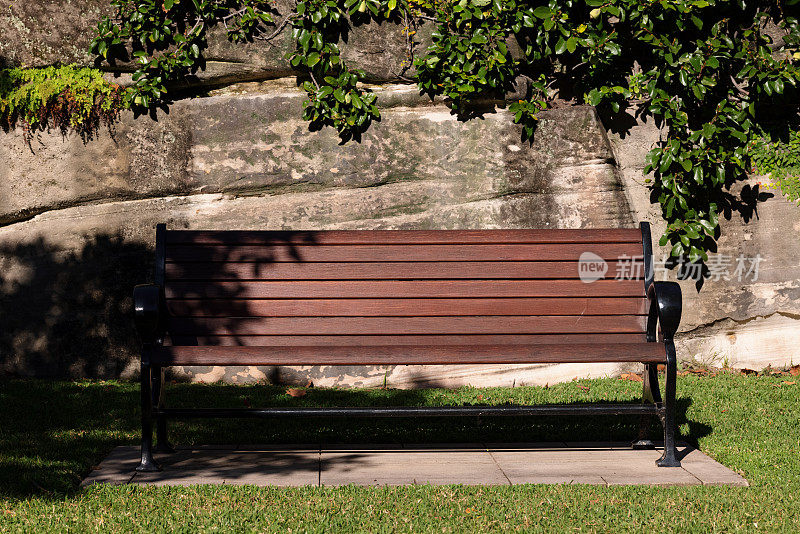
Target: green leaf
x,y
304,39
708,227
542,12
571,44
696,254
666,161
479,38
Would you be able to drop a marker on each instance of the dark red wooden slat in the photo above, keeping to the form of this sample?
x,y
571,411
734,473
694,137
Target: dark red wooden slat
x,y
401,253
405,289
409,355
407,325
406,307
370,341
392,270
373,237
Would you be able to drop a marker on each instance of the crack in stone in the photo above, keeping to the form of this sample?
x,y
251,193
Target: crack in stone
x,y
592,162
715,322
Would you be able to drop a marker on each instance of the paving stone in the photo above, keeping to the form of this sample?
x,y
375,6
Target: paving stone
x,y
262,468
536,445
409,466
712,473
589,465
279,447
542,466
446,446
361,447
117,468
613,445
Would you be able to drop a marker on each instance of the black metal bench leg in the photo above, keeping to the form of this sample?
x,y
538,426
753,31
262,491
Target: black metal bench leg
x,y
650,394
147,464
162,443
670,456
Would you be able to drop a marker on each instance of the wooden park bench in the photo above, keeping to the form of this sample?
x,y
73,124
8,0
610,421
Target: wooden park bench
x,y
406,298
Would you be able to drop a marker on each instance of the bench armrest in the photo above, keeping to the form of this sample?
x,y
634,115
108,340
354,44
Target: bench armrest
x,y
665,309
147,313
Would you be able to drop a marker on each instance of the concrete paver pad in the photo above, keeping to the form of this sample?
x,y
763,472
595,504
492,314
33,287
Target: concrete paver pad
x,y
410,466
394,464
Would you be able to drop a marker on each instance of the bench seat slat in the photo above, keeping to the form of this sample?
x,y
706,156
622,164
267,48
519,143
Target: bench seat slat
x,y
407,325
399,253
374,237
406,307
324,289
424,339
476,270
410,355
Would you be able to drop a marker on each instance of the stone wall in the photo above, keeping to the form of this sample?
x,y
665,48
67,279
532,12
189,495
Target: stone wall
x,y
748,323
77,216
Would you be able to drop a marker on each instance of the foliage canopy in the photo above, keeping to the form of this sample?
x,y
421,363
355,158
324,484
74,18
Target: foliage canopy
x,y
706,70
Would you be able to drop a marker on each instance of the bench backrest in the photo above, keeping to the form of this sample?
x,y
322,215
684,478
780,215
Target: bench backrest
x,y
272,288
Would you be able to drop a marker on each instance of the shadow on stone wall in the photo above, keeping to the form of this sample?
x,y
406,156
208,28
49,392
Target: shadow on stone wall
x,y
736,199
69,313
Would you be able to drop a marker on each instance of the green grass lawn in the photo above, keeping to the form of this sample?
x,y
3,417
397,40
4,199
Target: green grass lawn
x,y
52,433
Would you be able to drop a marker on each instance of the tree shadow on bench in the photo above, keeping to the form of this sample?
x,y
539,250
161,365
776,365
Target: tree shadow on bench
x,y
66,308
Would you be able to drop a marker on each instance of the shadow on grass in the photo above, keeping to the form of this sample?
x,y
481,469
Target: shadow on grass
x,y
53,433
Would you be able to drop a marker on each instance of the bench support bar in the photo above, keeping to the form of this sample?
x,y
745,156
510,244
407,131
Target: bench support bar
x,y
650,393
147,463
669,458
162,443
443,411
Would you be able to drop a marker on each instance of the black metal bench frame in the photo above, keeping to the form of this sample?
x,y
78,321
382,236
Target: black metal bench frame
x,y
664,315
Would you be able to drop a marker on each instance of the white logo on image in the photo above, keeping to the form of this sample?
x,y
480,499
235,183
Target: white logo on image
x,y
591,267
